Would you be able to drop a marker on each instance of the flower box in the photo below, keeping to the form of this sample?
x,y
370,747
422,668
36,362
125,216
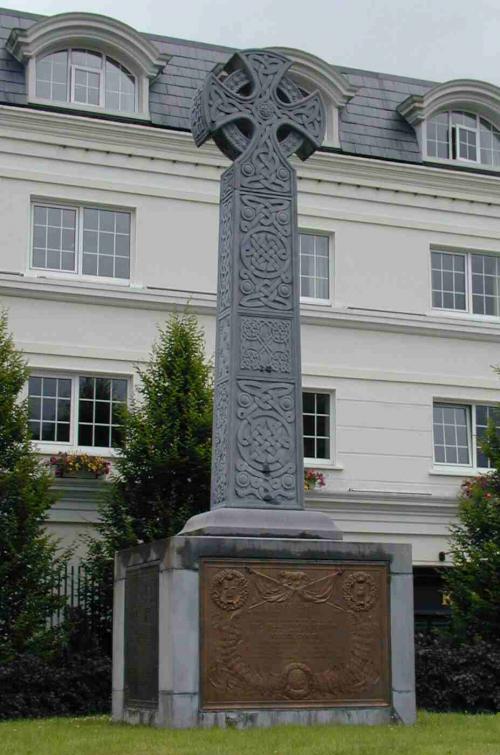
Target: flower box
x,y
81,466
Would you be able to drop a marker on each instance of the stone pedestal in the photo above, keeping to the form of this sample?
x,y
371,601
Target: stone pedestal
x,y
247,631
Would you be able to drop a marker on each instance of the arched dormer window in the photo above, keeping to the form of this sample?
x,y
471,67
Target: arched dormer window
x,y
458,121
85,77
87,62
313,73
458,135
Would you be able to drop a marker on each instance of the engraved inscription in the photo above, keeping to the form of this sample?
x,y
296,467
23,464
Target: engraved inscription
x,y
141,637
265,344
286,635
265,466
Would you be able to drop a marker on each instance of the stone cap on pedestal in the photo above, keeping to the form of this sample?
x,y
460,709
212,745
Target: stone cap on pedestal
x,y
254,522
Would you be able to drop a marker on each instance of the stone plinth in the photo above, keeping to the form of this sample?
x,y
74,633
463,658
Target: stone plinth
x,y
263,631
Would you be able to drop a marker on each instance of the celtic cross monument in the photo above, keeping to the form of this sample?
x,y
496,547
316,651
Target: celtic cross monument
x,y
258,117
269,617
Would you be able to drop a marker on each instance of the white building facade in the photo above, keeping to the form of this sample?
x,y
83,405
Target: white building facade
x,y
110,223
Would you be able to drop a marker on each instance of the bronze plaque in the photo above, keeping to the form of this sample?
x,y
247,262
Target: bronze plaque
x,y
294,634
141,636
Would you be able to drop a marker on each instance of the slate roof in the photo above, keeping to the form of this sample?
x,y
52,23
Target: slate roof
x,y
369,124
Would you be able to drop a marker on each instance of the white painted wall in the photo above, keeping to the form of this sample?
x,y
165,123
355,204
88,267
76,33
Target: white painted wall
x,y
379,347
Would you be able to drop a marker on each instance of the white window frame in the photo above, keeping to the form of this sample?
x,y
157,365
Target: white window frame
x,y
141,86
72,446
453,132
468,254
44,272
330,461
310,299
464,469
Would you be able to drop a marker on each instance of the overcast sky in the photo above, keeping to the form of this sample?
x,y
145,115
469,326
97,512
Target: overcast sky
x,y
428,39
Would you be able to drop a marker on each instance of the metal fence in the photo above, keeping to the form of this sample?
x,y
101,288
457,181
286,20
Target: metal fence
x,y
83,600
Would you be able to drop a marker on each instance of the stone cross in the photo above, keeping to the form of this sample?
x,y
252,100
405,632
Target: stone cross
x,y
258,117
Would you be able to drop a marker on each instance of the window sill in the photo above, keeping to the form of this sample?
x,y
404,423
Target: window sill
x,y
322,464
458,471
462,163
52,449
79,108
81,280
464,315
313,303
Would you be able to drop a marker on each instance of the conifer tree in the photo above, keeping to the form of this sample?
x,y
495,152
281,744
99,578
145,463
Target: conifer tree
x,y
162,474
473,582
28,558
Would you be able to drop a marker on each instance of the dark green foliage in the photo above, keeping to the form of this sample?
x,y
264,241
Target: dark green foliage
x,y
27,554
473,582
163,472
457,676
164,467
32,687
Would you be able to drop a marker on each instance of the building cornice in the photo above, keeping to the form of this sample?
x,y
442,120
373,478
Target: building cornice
x,y
204,303
130,139
380,502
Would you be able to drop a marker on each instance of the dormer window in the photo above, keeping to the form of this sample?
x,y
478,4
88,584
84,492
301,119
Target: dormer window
x,y
87,62
85,77
458,135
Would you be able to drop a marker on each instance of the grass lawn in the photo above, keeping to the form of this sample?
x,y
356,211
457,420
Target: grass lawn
x,y
434,734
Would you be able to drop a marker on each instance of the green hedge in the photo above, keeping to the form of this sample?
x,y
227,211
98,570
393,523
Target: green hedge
x,y
31,687
454,676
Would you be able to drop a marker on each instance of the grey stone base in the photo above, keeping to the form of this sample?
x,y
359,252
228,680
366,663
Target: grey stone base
x,y
240,522
178,560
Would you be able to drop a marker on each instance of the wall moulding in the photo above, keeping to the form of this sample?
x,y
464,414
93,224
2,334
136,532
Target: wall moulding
x,y
204,303
135,140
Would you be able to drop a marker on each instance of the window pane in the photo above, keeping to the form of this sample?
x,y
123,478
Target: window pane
x,y
54,232
448,280
49,408
314,266
106,243
485,414
86,58
52,77
451,434
438,136
86,87
485,284
316,425
97,415
120,87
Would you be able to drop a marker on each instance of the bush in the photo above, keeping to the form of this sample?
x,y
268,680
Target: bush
x,y
32,687
457,676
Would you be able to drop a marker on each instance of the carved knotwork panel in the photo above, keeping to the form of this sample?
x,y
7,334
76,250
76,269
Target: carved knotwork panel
x,y
265,253
266,468
266,344
294,634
